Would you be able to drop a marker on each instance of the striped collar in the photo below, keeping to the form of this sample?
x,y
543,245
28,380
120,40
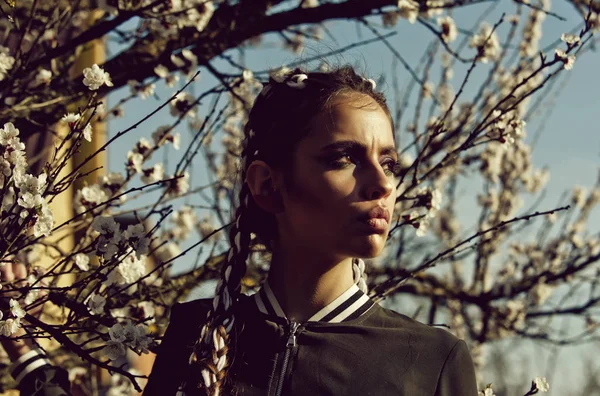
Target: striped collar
x,y
349,305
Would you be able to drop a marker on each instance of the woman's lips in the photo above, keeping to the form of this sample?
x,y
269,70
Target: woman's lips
x,y
375,224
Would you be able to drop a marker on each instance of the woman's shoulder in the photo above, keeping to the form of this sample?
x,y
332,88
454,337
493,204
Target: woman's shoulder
x,y
193,310
437,337
191,307
196,310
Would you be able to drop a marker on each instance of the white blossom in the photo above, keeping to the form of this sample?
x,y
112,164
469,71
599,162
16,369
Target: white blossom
x,y
43,77
142,146
95,304
541,292
171,80
427,90
449,31
8,134
179,186
197,16
432,8
177,61
436,201
15,309
95,77
182,103
82,261
132,335
193,62
175,140
487,391
94,194
45,221
107,248
9,327
114,349
135,161
105,225
423,226
6,62
141,340
117,332
158,136
135,234
541,384
279,75
87,132
30,201
154,174
29,183
486,42
570,39
144,90
185,219
161,71
129,271
32,295
134,231
89,196
71,118
408,9
112,180
568,60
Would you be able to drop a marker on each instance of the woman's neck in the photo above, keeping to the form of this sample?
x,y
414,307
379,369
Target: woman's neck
x,y
303,284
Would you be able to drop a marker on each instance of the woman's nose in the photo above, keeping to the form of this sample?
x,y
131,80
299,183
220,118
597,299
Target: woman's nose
x,y
378,184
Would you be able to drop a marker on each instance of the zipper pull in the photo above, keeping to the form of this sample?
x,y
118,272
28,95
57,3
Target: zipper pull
x,y
291,342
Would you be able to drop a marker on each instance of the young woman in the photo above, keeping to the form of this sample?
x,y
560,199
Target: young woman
x,y
318,190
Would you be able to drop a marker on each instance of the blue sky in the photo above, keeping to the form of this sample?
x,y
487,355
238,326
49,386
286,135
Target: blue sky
x,y
569,145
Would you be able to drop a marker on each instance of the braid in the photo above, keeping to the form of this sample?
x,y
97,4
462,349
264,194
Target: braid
x,y
358,269
210,351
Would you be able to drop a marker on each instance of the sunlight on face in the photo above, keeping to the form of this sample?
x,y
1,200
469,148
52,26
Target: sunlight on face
x,y
341,171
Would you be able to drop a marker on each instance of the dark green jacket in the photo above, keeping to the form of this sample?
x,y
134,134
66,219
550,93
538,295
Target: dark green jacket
x,y
351,347
356,347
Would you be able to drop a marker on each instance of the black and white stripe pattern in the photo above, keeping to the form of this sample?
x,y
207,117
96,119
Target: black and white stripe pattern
x,y
349,305
27,363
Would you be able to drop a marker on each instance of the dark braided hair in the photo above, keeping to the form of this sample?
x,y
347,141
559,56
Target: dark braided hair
x,y
280,118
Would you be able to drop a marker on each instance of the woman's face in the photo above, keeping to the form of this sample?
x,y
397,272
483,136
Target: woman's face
x,y
342,170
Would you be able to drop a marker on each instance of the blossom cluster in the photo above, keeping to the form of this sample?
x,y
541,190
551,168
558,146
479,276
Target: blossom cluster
x,y
11,325
27,190
127,335
423,207
111,240
486,43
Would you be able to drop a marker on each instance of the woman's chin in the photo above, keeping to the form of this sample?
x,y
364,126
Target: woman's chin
x,y
368,246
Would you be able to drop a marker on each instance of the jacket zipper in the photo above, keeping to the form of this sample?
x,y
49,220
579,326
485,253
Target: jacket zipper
x,y
291,343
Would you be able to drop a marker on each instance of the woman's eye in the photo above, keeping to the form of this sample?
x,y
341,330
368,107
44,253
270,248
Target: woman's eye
x,y
391,167
341,160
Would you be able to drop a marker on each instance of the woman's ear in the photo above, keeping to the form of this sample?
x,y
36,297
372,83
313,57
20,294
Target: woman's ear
x,y
263,187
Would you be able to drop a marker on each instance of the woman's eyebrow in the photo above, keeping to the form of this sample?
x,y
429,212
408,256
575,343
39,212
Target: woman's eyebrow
x,y
355,145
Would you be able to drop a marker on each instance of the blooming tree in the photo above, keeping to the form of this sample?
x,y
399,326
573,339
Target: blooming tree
x,y
485,286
